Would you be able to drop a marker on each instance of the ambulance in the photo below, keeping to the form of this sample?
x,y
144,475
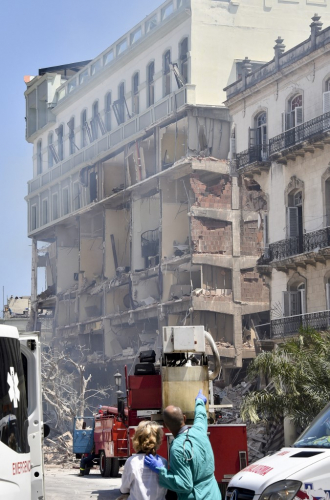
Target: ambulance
x,y
21,420
299,472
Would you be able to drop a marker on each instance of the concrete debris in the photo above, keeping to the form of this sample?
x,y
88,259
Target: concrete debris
x,y
58,450
257,434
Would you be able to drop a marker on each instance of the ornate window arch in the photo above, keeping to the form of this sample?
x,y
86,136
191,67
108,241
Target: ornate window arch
x,y
294,114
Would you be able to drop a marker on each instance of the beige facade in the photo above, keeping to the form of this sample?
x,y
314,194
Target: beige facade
x,y
281,119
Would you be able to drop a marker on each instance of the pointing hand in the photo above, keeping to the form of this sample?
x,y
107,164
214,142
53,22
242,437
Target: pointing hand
x,y
201,396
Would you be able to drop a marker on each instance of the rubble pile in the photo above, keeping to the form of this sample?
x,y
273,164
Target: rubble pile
x,y
58,451
257,434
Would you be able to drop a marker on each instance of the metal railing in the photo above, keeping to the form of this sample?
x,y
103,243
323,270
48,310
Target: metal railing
x,y
290,325
252,155
300,133
309,242
150,243
136,125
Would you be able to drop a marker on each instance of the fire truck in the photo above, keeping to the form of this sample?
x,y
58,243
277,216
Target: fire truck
x,y
182,370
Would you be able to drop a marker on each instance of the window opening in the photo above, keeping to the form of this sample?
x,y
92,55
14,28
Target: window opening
x,y
184,59
295,115
135,94
60,149
151,84
108,111
295,221
76,196
120,105
55,206
52,155
167,73
72,144
327,202
93,186
44,211
327,290
33,217
94,124
326,97
65,198
39,157
85,130
294,300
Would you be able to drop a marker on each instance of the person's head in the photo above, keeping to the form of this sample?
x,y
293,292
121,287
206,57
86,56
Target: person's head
x,y
174,419
148,437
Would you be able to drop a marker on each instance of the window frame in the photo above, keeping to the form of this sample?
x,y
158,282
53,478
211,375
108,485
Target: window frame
x,y
151,84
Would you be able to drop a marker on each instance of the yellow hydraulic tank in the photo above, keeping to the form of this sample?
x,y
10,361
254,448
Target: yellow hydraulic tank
x,y
180,386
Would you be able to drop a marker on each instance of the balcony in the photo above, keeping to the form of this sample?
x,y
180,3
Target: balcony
x,y
299,134
290,325
124,133
309,242
255,154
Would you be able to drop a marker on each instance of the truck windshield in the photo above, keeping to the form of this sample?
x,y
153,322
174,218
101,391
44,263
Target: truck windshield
x,y
13,407
317,434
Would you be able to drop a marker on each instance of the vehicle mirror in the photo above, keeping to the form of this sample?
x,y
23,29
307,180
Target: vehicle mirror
x,y
46,430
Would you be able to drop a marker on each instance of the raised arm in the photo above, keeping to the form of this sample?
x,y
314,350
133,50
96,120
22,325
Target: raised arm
x,y
200,420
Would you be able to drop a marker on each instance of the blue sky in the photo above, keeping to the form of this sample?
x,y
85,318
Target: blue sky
x,y
33,35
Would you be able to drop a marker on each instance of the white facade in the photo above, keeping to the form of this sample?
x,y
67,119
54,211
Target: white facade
x,y
288,155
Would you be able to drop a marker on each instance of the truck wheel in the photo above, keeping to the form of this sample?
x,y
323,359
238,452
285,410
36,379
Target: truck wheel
x,y
105,465
114,467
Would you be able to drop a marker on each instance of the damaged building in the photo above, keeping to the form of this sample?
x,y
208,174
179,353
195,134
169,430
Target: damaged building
x,y
133,210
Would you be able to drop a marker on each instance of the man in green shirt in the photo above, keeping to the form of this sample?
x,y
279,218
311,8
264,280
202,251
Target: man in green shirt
x,y
191,472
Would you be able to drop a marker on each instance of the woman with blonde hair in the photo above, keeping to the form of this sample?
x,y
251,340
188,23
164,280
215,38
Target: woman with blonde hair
x,y
138,481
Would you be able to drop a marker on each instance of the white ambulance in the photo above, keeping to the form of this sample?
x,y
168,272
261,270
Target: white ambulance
x,y
21,423
299,472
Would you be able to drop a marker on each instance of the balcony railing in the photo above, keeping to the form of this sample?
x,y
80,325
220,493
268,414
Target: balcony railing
x,y
290,325
150,243
136,125
300,133
309,242
253,154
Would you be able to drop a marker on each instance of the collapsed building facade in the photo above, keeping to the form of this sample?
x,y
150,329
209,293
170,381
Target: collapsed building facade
x,y
134,211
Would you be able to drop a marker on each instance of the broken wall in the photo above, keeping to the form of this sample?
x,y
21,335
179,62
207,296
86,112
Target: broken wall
x,y
117,300
90,306
212,194
253,287
252,197
211,236
113,175
117,222
221,326
173,142
175,221
91,246
145,217
251,238
145,291
208,135
67,257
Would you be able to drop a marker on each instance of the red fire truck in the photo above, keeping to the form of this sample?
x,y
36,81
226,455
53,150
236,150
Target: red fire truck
x,y
182,371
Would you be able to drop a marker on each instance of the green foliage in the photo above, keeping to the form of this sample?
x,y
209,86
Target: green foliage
x,y
299,370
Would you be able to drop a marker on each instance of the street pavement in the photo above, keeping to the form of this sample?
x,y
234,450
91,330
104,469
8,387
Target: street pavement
x,y
62,484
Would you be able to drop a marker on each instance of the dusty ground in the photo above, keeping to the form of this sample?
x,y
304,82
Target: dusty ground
x,y
62,484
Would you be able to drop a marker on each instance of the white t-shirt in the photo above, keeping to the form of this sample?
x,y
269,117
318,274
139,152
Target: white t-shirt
x,y
141,482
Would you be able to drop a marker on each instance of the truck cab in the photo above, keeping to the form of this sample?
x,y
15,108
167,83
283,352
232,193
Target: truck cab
x,y
301,471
